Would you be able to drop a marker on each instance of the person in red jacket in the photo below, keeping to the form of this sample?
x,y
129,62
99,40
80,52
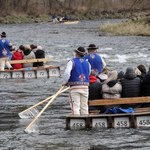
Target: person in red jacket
x,y
17,55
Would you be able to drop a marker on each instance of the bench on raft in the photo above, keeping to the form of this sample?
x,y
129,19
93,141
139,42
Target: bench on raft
x,y
95,119
30,60
46,71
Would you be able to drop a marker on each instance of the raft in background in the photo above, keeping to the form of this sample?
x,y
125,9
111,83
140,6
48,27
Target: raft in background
x,y
140,118
71,22
46,71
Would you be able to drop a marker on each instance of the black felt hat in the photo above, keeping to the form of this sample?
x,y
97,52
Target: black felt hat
x,y
80,50
92,47
3,34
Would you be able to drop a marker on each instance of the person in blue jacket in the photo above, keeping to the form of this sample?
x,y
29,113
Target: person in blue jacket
x,y
5,53
96,61
76,75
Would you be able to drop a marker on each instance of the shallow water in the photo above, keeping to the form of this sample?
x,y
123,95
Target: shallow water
x,y
60,40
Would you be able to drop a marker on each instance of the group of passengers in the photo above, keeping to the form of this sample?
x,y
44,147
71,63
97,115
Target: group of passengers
x,y
89,79
135,82
10,52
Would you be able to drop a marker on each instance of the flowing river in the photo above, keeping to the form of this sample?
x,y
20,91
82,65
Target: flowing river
x,y
60,41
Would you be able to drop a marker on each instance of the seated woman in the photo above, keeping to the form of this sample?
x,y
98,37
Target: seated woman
x,y
112,87
28,54
17,55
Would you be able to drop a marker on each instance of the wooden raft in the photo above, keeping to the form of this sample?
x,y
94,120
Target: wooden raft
x,y
34,72
140,118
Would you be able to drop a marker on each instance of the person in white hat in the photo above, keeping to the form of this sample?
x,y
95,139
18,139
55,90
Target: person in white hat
x,y
76,76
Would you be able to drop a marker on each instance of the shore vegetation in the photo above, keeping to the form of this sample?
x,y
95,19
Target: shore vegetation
x,y
132,27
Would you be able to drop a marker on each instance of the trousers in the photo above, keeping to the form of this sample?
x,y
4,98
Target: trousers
x,y
79,100
4,61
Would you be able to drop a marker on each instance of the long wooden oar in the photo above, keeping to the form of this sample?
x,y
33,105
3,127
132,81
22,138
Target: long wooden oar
x,y
31,112
28,128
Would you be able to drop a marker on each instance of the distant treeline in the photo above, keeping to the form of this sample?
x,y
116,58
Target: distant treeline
x,y
83,7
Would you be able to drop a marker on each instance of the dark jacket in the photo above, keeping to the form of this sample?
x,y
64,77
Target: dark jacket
x,y
131,84
95,91
39,54
146,86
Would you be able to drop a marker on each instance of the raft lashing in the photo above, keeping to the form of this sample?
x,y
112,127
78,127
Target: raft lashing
x,y
139,119
35,72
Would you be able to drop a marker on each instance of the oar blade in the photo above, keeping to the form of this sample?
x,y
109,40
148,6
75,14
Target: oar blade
x,y
33,129
30,114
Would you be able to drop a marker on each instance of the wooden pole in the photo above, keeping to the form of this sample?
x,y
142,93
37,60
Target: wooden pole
x,y
39,114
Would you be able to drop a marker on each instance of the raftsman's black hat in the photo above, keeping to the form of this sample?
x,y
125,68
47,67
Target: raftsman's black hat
x,y
81,51
92,47
3,34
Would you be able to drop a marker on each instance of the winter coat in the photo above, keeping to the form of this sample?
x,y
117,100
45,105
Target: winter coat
x,y
39,54
17,56
112,89
28,54
146,86
131,84
95,91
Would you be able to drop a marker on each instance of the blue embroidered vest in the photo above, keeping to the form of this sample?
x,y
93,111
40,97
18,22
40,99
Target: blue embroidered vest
x,y
80,72
95,61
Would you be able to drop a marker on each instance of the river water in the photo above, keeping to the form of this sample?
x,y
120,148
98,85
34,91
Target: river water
x,y
60,40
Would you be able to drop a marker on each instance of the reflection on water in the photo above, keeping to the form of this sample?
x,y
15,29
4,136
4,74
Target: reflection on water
x,y
60,40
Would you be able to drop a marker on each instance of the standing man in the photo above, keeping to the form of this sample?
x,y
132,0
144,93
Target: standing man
x,y
5,53
97,63
76,75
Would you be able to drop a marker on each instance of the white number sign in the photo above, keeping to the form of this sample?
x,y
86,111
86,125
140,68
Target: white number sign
x,y
41,73
17,74
29,74
121,122
77,123
5,75
54,72
143,121
99,123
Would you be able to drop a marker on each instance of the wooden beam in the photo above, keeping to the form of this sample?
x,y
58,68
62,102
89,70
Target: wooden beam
x,y
133,100
30,60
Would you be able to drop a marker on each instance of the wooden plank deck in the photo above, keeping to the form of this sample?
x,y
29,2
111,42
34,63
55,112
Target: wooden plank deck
x,y
139,119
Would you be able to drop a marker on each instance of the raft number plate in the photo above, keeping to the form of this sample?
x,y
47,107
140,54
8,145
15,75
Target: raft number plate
x,y
5,75
143,121
99,123
77,123
54,72
17,74
121,122
29,74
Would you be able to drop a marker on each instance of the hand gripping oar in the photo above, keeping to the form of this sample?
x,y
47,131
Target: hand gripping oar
x,y
31,112
28,128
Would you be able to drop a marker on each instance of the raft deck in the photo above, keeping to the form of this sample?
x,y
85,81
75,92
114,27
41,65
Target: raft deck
x,y
140,118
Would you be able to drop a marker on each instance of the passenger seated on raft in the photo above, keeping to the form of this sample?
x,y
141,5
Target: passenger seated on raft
x,y
95,90
131,85
17,55
28,54
142,68
40,53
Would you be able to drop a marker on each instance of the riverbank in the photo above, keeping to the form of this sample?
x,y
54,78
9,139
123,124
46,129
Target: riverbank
x,y
15,19
137,26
